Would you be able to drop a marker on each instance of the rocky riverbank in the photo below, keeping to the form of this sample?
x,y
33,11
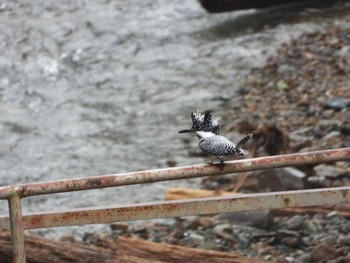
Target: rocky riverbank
x,y
299,101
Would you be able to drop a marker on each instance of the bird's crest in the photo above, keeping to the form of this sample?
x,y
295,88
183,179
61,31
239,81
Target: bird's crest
x,y
205,122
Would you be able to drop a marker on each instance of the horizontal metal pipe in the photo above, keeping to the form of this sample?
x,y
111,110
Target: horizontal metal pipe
x,y
201,206
176,173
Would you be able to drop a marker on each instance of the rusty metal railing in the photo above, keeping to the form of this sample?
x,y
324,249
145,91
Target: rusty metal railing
x,y
17,223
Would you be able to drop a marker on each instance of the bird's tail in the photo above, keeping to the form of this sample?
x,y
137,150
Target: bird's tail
x,y
244,140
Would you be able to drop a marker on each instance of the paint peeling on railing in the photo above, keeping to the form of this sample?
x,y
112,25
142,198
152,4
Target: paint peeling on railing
x,y
17,222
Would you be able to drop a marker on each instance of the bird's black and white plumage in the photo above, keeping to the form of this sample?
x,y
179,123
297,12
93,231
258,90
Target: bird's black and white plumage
x,y
210,142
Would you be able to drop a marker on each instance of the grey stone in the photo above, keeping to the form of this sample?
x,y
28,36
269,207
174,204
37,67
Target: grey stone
x,y
324,170
314,226
195,238
292,241
296,222
337,103
260,219
282,179
222,228
323,253
209,245
317,181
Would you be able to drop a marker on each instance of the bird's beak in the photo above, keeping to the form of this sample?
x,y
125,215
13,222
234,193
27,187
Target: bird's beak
x,y
186,131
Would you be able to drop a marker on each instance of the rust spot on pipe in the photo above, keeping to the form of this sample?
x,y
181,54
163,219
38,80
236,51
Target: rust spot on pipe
x,y
286,201
220,166
344,193
94,182
36,220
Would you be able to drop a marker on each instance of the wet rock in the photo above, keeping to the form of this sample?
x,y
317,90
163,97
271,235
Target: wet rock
x,y
259,219
323,253
337,104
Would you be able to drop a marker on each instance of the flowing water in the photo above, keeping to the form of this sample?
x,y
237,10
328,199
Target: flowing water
x,y
100,87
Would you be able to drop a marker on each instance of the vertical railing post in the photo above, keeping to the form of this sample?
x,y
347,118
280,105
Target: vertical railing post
x,y
17,230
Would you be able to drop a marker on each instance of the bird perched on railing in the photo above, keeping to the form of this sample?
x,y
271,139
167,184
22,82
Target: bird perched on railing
x,y
216,146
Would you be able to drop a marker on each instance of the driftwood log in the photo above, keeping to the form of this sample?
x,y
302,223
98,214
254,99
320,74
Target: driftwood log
x,y
123,250
177,193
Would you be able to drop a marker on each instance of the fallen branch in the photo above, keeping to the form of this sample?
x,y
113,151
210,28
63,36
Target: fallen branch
x,y
178,193
123,250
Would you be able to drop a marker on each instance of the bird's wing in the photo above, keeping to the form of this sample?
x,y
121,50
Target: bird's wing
x,y
217,145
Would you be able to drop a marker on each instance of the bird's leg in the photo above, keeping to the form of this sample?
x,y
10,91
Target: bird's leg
x,y
210,162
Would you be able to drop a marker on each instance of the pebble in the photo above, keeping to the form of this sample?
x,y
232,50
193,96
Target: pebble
x,y
317,181
296,222
323,253
294,242
221,228
333,214
337,104
195,238
260,219
314,226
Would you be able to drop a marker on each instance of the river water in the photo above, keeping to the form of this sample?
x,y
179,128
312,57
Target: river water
x,y
101,87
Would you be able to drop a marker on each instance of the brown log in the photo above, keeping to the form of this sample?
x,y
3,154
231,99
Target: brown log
x,y
123,250
178,254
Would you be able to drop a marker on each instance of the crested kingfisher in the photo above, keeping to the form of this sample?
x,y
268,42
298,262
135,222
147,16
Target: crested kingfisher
x,y
216,146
